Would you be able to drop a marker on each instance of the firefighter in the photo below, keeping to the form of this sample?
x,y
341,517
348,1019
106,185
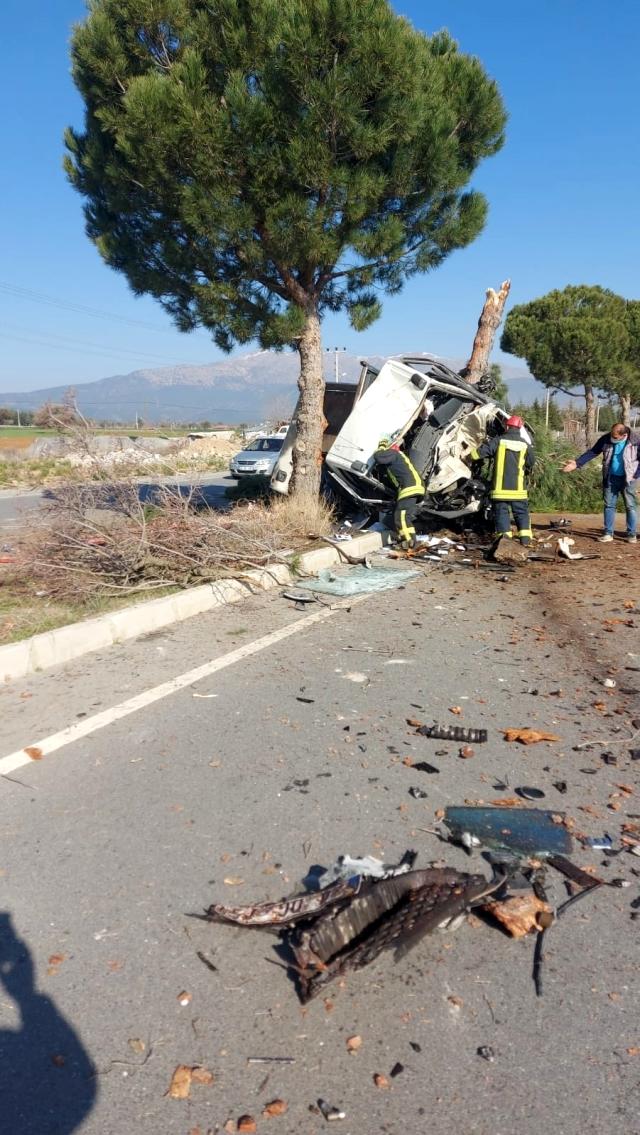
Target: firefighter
x,y
512,458
410,490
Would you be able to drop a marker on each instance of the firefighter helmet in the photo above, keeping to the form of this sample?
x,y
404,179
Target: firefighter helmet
x,y
515,422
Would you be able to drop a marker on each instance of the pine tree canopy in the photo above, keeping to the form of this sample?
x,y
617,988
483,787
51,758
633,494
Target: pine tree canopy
x,y
575,337
249,162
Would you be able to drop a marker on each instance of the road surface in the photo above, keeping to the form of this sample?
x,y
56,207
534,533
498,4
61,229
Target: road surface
x,y
266,740
17,506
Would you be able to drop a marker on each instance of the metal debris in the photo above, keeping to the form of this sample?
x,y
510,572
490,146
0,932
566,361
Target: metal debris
x,y
453,733
347,925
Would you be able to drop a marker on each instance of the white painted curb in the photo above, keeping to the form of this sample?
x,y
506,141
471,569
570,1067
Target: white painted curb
x,y
18,659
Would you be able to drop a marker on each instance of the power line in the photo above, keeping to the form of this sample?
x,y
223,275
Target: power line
x,y
83,309
45,339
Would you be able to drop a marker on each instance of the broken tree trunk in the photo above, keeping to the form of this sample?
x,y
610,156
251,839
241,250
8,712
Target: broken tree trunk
x,y
488,324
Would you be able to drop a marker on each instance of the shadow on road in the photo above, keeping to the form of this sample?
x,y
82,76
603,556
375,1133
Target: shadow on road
x,y
46,1075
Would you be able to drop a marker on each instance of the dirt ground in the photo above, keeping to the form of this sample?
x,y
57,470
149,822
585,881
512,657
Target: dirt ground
x,y
594,604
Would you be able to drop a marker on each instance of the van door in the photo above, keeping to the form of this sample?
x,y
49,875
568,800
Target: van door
x,y
386,409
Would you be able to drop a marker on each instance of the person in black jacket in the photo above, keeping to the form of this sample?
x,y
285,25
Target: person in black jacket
x,y
512,458
410,489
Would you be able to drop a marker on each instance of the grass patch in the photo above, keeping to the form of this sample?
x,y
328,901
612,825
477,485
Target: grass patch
x,y
24,613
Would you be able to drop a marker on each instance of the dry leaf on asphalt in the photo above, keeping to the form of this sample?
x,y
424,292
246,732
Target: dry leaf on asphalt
x,y
529,736
380,1081
201,1075
414,723
180,1085
34,752
184,998
276,1107
457,709
247,1124
136,1045
354,1043
233,881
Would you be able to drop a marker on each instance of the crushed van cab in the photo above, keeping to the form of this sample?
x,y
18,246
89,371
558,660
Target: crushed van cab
x,y
432,414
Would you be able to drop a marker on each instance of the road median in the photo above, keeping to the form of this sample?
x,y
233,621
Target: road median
x,y
64,644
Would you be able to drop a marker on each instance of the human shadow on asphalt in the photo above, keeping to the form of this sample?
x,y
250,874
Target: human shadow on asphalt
x,y
47,1080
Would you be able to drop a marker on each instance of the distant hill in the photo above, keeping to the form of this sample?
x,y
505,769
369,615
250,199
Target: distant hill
x,y
244,388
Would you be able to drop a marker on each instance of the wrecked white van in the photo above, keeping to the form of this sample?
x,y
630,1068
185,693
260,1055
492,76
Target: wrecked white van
x,y
436,417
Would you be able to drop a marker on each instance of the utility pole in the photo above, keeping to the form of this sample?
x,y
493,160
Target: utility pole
x,y
18,412
336,351
546,408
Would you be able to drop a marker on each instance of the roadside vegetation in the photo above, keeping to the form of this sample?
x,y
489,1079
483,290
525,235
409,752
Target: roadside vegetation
x,y
80,559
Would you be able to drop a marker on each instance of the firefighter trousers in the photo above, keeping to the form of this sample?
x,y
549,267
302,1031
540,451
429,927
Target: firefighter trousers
x,y
520,510
404,515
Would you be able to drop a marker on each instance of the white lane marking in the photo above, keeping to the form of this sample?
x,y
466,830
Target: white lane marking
x,y
148,697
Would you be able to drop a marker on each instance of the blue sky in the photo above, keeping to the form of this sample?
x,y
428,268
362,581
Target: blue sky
x,y
564,194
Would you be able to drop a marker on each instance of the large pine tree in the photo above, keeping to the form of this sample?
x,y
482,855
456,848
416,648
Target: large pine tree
x,y
574,339
254,164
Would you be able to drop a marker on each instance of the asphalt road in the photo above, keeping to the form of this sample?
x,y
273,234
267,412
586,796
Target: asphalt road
x,y
17,506
228,789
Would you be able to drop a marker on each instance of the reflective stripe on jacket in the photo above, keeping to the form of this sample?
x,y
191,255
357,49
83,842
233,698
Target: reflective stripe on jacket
x,y
402,474
512,458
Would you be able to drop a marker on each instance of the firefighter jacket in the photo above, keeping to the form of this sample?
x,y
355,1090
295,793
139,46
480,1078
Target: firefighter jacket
x,y
513,457
402,474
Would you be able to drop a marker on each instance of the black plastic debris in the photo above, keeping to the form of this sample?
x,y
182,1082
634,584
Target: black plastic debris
x,y
396,1070
560,786
486,1052
528,793
415,1046
424,766
417,793
609,758
454,733
330,1113
634,754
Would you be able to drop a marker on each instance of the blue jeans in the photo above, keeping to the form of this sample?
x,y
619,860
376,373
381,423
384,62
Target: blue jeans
x,y
612,489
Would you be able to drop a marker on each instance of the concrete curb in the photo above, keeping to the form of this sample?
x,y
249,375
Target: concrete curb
x,y
19,659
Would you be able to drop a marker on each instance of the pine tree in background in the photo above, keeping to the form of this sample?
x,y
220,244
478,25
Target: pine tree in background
x,y
254,164
499,388
575,338
626,383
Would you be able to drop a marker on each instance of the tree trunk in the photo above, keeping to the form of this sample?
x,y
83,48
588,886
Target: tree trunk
x,y
310,422
488,324
625,408
590,418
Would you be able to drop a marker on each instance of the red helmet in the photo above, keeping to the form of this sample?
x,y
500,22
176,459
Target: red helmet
x,y
515,422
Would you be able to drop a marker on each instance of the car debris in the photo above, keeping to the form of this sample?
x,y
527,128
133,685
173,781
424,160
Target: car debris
x,y
528,793
565,544
347,925
358,580
330,1113
598,843
525,831
271,1060
418,793
452,733
486,1052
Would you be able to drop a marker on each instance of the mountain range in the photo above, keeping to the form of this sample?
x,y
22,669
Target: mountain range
x,y
245,388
